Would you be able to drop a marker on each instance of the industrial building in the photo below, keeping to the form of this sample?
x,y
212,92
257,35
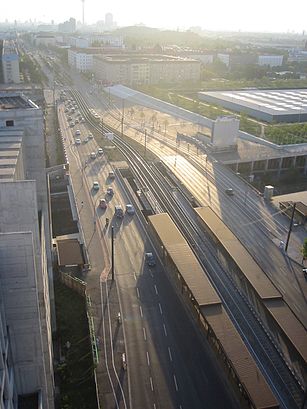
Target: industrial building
x,y
134,69
266,105
10,62
26,292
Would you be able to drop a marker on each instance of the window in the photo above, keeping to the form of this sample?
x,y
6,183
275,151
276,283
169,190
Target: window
x,y
9,122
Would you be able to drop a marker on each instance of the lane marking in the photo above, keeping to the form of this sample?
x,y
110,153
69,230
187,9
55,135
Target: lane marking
x,y
151,384
156,290
148,361
144,334
141,311
175,382
137,292
160,308
165,332
134,275
170,354
154,406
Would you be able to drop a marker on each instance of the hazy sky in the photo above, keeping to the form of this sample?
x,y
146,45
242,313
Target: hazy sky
x,y
245,15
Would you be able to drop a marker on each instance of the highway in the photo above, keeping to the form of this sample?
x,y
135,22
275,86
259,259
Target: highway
x,y
154,339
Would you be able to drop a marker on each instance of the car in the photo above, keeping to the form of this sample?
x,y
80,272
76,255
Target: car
x,y
111,175
229,191
78,132
85,140
66,110
103,204
150,259
119,211
110,191
95,185
305,273
78,141
72,124
76,120
100,151
93,155
82,120
130,209
90,136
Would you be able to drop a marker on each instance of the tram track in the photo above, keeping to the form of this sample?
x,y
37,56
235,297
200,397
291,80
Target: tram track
x,y
287,388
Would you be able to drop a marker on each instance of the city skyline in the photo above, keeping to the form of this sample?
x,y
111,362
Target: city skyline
x,y
215,16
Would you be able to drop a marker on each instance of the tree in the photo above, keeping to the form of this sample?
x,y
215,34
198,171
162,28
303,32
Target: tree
x,y
304,250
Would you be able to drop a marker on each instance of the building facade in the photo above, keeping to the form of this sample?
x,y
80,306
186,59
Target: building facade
x,y
81,61
148,69
25,256
271,60
10,62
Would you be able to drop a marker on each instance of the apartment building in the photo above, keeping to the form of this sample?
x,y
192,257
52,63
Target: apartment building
x,y
271,60
81,61
10,62
136,69
26,292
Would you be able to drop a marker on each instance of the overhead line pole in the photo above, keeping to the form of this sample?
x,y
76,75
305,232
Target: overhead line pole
x,y
290,227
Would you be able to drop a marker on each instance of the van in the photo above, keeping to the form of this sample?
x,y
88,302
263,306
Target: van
x,y
119,211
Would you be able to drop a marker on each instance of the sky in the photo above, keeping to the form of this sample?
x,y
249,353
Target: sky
x,y
224,15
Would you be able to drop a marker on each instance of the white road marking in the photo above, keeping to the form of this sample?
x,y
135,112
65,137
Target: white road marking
x,y
154,406
148,361
144,333
151,384
141,311
160,308
137,292
175,382
170,354
134,275
165,332
156,290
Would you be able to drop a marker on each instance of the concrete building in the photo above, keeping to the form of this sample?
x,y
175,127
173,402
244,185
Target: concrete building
x,y
136,69
78,42
81,61
10,62
44,40
25,257
232,59
107,40
68,26
271,60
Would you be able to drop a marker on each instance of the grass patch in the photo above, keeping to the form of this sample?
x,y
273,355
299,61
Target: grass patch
x,y
76,372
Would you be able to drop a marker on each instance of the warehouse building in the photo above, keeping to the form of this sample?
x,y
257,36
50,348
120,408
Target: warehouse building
x,y
265,105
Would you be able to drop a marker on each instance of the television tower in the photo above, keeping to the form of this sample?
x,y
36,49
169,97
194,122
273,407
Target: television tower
x,y
83,11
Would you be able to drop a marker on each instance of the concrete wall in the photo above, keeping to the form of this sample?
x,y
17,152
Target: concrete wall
x,y
25,274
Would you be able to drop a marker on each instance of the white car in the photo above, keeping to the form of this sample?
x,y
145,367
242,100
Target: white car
x,y
78,132
100,151
90,136
78,141
96,186
93,155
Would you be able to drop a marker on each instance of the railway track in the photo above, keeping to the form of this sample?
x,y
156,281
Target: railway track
x,y
279,376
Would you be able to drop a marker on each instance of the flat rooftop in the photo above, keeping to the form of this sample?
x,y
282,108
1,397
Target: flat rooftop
x,y
10,148
14,101
145,58
291,101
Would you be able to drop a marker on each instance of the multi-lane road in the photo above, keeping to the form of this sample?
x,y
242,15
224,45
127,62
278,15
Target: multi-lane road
x,y
168,365
153,338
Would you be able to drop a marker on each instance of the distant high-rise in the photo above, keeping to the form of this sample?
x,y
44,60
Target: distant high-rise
x,y
109,21
82,12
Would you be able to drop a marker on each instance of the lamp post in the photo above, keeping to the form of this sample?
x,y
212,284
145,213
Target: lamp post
x,y
112,252
290,227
